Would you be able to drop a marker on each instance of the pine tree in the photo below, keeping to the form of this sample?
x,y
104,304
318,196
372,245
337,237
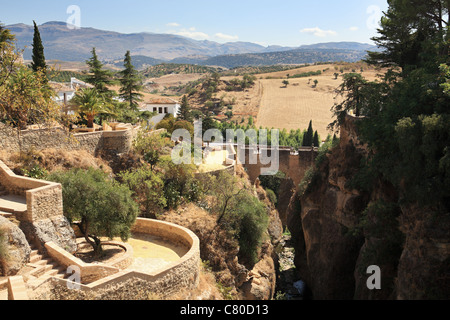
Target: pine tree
x,y
38,63
131,83
99,78
316,140
185,110
308,138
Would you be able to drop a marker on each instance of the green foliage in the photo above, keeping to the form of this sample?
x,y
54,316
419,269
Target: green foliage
x,y
151,146
99,206
163,69
90,102
131,84
185,110
99,77
308,139
306,74
272,196
38,58
272,182
35,172
249,219
65,76
180,184
148,190
406,116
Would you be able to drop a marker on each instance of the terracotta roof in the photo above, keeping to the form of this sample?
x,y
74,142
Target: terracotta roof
x,y
162,100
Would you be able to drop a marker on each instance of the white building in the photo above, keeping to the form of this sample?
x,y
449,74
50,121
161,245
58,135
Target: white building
x,y
66,91
162,106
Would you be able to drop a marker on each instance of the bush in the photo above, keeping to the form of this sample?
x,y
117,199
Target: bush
x,y
148,190
272,196
252,221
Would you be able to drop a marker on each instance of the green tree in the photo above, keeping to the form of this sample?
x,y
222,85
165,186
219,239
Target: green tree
x,y
354,92
308,138
286,83
38,57
131,84
148,190
316,140
90,103
406,121
412,34
99,77
98,205
151,146
185,110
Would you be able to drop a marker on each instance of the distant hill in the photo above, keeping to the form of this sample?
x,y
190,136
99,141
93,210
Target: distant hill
x,y
148,49
293,57
62,43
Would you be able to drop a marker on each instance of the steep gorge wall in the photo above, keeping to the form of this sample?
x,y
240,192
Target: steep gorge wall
x,y
340,231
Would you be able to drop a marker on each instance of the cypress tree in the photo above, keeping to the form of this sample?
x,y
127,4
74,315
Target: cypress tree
x,y
316,140
308,138
38,57
130,83
185,110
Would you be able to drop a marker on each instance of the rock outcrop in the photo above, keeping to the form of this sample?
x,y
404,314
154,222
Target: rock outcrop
x,y
17,248
340,230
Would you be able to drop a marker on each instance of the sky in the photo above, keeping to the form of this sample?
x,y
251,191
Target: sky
x,y
266,22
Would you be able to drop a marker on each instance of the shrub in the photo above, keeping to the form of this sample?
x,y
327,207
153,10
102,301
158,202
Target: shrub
x,y
272,196
252,219
148,190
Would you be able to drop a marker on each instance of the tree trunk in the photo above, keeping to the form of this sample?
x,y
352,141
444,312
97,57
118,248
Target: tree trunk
x,y
90,120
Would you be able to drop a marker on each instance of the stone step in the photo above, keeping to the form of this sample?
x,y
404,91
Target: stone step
x,y
35,258
3,295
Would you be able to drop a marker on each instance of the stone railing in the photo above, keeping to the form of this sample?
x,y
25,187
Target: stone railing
x,y
163,283
43,198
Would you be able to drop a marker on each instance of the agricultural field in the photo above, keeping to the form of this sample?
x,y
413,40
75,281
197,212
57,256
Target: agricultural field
x,y
292,107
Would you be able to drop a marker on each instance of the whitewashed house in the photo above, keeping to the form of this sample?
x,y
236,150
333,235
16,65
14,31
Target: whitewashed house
x,y
66,91
162,107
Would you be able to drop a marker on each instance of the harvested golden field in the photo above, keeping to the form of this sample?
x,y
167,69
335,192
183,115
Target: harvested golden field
x,y
293,107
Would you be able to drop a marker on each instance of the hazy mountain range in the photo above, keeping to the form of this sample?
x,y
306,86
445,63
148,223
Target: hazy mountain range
x,y
62,43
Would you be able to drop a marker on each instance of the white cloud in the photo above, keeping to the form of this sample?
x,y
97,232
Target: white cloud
x,y
354,29
319,32
226,37
193,34
173,24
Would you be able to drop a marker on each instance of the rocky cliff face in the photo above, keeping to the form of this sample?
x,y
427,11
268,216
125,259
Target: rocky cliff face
x,y
340,231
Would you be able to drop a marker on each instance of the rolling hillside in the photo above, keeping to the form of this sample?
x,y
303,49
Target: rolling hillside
x,y
149,49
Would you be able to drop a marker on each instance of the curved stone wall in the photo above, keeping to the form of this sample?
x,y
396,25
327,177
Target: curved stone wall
x,y
130,284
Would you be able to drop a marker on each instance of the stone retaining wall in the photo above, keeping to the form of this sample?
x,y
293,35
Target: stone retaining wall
x,y
132,285
119,141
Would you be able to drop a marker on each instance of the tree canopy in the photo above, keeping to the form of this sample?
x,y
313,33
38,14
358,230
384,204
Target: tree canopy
x,y
405,115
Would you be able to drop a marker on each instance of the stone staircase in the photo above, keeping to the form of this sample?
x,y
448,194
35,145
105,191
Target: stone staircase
x,y
43,269
36,272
